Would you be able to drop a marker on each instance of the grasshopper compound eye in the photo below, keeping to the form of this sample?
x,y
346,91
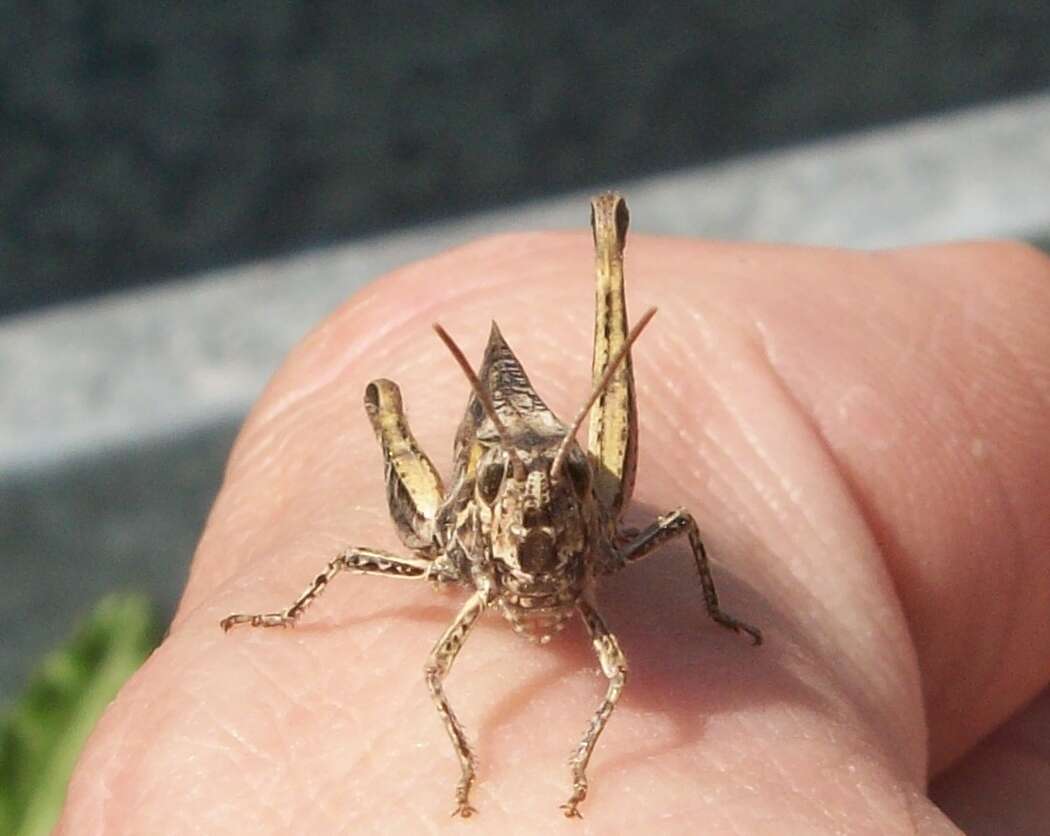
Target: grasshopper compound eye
x,y
579,475
490,478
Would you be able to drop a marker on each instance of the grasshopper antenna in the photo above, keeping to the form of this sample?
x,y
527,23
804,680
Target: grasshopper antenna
x,y
486,402
563,449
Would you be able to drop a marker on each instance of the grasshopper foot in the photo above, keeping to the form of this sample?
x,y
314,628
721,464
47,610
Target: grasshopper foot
x,y
737,626
571,807
463,807
570,811
269,619
464,811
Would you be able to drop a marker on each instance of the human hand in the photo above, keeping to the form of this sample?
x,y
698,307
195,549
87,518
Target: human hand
x,y
863,438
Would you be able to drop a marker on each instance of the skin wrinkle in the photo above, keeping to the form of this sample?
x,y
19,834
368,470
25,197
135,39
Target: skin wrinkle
x,y
845,769
851,485
1015,531
303,778
258,666
761,486
748,478
221,726
1007,626
742,425
125,773
725,485
902,625
871,795
239,740
219,527
674,436
949,379
770,467
722,399
719,464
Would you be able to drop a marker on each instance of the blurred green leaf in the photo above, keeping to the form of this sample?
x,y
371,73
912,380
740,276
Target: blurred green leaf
x,y
43,733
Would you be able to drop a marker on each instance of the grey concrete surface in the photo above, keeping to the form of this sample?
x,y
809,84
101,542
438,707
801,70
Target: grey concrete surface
x,y
116,415
150,139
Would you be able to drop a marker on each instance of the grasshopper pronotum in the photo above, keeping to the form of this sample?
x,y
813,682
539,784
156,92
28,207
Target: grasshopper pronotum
x,y
531,520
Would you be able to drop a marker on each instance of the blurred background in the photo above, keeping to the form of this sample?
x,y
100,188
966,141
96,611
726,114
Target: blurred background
x,y
186,187
146,140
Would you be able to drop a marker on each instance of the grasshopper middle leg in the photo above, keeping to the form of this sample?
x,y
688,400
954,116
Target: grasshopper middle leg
x,y
359,560
667,528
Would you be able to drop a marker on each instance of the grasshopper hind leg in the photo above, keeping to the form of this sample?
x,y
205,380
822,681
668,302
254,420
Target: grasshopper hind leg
x,y
613,433
414,490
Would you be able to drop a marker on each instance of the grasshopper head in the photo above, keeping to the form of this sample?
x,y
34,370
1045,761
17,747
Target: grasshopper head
x,y
539,523
535,489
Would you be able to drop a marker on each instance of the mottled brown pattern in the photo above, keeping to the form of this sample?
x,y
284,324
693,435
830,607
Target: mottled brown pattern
x,y
530,520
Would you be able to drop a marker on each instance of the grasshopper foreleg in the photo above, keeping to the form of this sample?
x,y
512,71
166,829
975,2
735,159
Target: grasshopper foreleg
x,y
614,666
359,560
436,669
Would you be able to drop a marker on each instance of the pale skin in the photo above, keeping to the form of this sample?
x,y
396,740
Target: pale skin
x,y
863,439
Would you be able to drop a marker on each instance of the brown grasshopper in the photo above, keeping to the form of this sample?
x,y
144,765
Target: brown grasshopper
x,y
531,521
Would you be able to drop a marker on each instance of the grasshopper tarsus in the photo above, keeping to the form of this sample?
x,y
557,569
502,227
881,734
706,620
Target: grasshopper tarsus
x,y
570,809
530,520
740,628
464,811
267,619
230,622
753,633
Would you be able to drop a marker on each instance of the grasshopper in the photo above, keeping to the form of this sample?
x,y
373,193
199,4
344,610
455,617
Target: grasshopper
x,y
531,520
